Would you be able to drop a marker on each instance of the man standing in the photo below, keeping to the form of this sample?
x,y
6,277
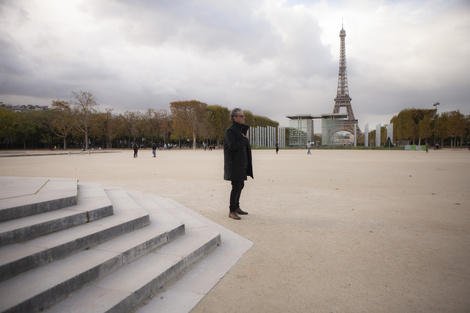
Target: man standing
x,y
237,160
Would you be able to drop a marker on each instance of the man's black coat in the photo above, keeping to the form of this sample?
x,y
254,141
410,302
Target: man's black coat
x,y
237,153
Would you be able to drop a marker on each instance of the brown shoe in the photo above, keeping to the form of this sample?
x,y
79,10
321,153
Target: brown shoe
x,y
234,216
239,211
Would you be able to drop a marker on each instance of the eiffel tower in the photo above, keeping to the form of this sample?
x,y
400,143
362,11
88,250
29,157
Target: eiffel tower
x,y
342,95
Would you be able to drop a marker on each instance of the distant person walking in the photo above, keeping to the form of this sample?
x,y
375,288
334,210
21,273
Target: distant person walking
x,y
136,149
237,160
309,144
154,149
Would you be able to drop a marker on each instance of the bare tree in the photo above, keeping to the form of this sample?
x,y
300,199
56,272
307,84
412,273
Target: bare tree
x,y
61,120
132,122
189,117
164,124
107,126
84,107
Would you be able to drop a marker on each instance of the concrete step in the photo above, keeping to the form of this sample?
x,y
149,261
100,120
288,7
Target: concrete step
x,y
28,196
93,204
151,246
43,287
21,257
182,295
125,289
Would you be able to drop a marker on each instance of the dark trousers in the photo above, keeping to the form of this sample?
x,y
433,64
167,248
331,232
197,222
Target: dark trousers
x,y
237,187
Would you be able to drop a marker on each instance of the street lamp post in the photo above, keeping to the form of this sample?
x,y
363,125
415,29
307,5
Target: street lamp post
x,y
435,123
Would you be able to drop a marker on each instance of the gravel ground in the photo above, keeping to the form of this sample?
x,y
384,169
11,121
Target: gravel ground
x,y
334,231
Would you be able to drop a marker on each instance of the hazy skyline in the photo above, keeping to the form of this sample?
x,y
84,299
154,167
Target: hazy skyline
x,y
274,58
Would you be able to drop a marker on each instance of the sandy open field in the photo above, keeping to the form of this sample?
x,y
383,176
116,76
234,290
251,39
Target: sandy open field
x,y
334,231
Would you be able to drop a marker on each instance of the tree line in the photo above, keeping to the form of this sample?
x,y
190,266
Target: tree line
x,y
420,126
78,123
425,126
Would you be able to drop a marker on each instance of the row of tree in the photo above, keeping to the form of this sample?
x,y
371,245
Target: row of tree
x,y
426,126
80,124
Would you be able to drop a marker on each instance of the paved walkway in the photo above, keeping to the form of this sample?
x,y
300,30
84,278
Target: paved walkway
x,y
20,153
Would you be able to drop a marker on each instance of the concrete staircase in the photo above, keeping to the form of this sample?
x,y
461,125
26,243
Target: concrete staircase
x,y
75,247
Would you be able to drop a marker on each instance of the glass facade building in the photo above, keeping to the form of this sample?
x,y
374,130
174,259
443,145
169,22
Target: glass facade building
x,y
300,130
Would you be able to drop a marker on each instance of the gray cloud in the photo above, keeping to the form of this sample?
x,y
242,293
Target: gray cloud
x,y
271,57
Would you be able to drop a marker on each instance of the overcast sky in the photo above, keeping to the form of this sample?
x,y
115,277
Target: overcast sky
x,y
273,57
